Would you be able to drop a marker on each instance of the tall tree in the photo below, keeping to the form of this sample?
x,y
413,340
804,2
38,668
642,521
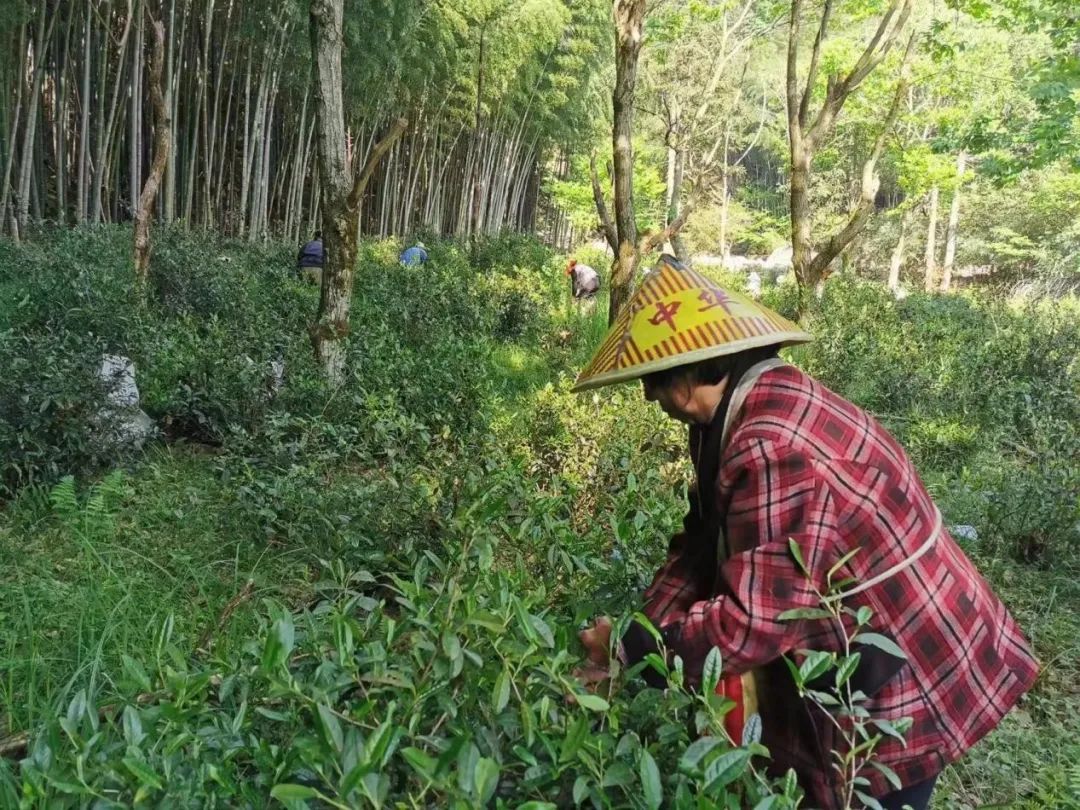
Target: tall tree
x,y
342,188
622,234
162,149
629,22
954,224
807,133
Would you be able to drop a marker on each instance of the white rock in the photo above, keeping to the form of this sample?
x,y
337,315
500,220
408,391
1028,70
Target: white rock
x,y
117,373
121,422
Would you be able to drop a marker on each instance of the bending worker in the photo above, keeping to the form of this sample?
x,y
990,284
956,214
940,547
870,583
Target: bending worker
x,y
417,254
780,462
585,280
309,262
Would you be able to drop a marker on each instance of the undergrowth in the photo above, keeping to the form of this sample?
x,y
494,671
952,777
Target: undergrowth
x,y
370,595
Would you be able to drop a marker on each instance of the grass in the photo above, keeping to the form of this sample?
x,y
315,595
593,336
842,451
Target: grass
x,y
80,593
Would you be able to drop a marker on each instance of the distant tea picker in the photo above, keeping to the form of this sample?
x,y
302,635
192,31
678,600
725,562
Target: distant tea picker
x,y
781,461
309,261
585,282
417,254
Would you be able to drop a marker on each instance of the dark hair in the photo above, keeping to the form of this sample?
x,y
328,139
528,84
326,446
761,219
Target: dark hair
x,y
710,371
318,234
704,372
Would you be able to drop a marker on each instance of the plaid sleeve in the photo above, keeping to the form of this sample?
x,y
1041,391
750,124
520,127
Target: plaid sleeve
x,y
674,588
775,496
679,582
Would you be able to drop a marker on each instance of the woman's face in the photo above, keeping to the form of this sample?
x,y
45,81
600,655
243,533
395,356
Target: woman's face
x,y
674,398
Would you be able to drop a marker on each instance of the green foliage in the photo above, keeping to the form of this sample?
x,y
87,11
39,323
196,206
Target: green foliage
x,y
424,541
575,196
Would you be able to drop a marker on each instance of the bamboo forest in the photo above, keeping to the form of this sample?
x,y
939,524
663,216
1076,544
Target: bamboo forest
x,y
540,404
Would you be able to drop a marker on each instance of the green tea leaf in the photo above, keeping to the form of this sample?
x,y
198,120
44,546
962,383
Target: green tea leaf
x,y
847,668
869,801
881,642
696,752
293,793
816,664
485,779
710,675
593,703
133,730
617,775
500,695
726,768
581,789
888,772
575,737
331,728
653,791
796,552
420,762
809,613
142,772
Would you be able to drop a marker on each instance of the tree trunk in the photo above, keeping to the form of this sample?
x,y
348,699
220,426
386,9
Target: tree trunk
x,y
954,222
162,147
675,212
135,123
931,242
169,185
341,194
897,260
23,209
84,128
806,132
629,19
107,126
7,207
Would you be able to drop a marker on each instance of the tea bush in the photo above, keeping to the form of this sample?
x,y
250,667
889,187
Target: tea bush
x,y
423,542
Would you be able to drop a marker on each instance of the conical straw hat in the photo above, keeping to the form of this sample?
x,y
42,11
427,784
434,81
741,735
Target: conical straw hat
x,y
679,317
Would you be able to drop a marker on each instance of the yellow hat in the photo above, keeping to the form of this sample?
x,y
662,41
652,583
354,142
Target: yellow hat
x,y
679,317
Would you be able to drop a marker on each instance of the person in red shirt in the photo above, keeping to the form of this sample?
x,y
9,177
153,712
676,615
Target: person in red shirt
x,y
780,458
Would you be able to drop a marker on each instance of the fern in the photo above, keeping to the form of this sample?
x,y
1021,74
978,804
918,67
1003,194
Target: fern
x,y
65,502
92,522
1074,785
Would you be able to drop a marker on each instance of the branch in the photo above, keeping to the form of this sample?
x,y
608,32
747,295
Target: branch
x,y
377,154
815,60
720,64
653,241
14,746
868,61
793,68
760,128
840,89
601,207
870,181
245,593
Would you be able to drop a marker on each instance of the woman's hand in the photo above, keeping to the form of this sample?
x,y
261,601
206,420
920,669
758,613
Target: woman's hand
x,y
597,641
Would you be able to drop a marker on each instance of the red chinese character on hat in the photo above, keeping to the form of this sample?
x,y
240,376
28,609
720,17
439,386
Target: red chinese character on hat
x,y
714,298
665,313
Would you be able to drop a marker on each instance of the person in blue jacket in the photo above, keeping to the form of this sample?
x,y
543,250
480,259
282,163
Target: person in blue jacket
x,y
415,255
309,262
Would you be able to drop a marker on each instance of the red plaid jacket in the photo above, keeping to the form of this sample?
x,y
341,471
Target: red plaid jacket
x,y
803,463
